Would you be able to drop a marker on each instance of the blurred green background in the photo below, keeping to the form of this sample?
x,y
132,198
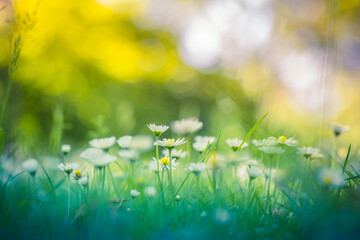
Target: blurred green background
x,y
109,67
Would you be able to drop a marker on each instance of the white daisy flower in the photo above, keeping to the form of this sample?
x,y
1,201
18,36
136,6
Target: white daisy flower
x,y
268,146
76,175
142,143
287,141
150,191
103,143
157,129
124,141
134,193
170,143
200,146
331,177
164,163
65,149
207,139
235,143
97,157
68,167
186,126
177,154
254,172
216,162
196,168
338,129
201,142
83,181
31,165
310,153
271,150
265,142
128,154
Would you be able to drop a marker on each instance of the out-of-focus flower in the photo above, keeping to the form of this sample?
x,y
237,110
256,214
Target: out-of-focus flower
x,y
270,141
31,165
103,143
271,149
164,163
254,172
222,216
177,154
310,153
287,141
177,198
77,174
170,143
329,177
196,168
201,142
134,193
186,126
124,141
216,162
68,168
157,129
142,143
83,181
338,129
267,173
65,149
235,143
200,146
150,191
128,154
97,157
207,139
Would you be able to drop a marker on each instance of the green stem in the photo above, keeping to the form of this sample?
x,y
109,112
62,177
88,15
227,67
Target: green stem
x,y
157,164
68,209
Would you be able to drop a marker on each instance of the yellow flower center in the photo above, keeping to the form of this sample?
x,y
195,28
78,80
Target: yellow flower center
x,y
78,174
327,180
282,138
170,141
165,161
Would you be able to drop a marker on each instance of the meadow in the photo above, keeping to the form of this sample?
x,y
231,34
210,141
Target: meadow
x,y
146,186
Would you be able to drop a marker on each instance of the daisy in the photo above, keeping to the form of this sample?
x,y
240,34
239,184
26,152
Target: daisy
x,y
164,164
265,142
65,149
103,143
134,193
254,172
207,139
177,154
97,157
68,167
216,162
83,181
142,143
150,191
201,142
186,126
77,174
196,168
338,129
157,129
124,141
287,141
310,153
128,154
200,146
31,165
329,177
170,143
268,146
235,143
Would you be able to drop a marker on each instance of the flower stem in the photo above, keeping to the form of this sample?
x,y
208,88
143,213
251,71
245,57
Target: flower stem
x,y
68,209
157,164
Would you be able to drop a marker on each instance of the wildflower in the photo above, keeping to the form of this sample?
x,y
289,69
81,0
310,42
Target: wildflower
x,y
65,149
83,181
338,129
124,141
207,139
271,150
186,126
216,162
331,177
157,129
68,167
150,191
200,146
235,143
201,142
254,172
164,163
134,193
103,143
31,166
128,154
142,143
196,168
170,143
97,157
77,174
310,153
267,172
177,154
287,141
270,141
177,198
